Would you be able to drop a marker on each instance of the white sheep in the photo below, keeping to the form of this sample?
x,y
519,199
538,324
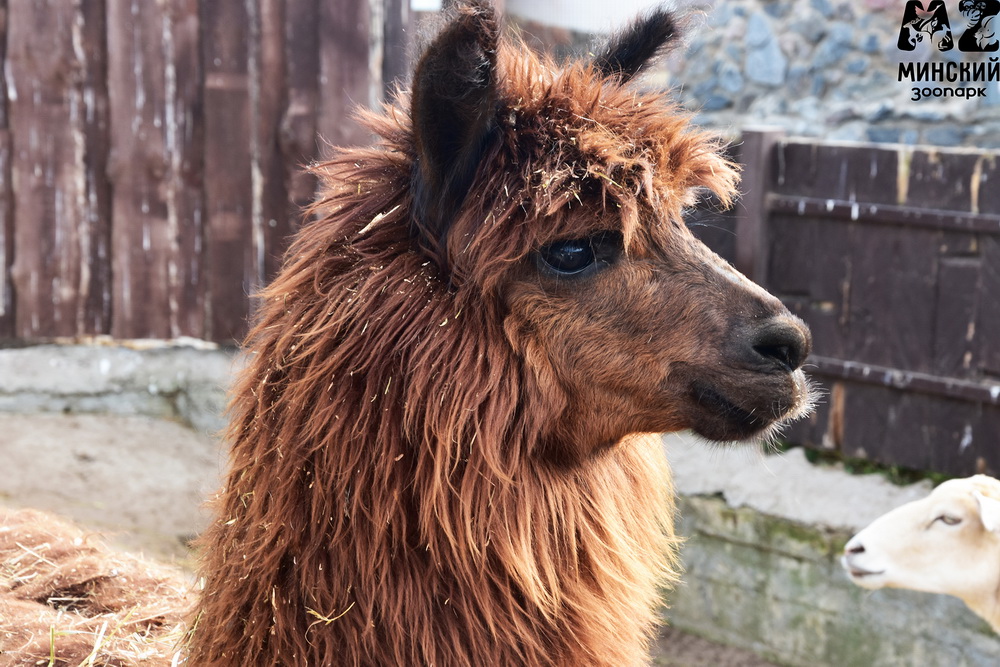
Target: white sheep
x,y
948,542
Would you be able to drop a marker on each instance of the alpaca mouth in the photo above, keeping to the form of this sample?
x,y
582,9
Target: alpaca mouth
x,y
722,419
725,420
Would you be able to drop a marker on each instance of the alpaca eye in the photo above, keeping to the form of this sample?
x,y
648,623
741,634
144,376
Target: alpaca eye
x,y
568,257
949,520
575,257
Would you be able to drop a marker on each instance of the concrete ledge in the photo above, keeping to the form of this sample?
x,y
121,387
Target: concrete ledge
x,y
183,380
764,536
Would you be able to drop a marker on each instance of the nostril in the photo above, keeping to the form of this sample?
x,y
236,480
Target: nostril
x,y
854,546
784,345
780,353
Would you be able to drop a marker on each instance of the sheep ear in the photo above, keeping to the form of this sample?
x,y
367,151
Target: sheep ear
x,y
453,110
632,49
989,512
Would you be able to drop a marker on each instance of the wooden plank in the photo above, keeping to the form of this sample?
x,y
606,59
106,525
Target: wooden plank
x,y
96,183
889,320
7,316
298,137
988,318
792,253
186,174
867,173
907,356
865,422
273,214
955,317
920,432
350,67
982,391
757,153
58,124
395,61
984,442
229,257
983,191
156,204
941,179
865,212
810,266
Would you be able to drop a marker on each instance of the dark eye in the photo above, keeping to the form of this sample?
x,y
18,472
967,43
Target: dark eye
x,y
575,256
949,520
568,257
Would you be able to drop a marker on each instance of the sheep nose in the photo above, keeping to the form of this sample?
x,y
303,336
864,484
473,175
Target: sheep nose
x,y
782,342
854,547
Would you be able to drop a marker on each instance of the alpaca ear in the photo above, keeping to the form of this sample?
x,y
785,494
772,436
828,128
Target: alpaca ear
x,y
989,512
630,50
453,111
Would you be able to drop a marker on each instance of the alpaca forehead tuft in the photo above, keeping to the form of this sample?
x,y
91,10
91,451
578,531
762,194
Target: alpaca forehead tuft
x,y
574,122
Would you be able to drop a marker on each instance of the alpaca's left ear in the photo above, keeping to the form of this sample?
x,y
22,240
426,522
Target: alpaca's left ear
x,y
454,112
632,49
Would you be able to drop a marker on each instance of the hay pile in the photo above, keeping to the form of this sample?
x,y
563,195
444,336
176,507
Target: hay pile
x,y
67,599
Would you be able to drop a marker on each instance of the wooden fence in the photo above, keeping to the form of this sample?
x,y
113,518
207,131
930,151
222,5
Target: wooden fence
x,y
150,158
892,256
150,152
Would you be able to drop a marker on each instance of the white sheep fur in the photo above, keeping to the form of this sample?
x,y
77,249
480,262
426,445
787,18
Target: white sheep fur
x,y
948,542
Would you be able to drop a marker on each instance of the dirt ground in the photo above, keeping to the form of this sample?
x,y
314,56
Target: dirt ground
x,y
142,482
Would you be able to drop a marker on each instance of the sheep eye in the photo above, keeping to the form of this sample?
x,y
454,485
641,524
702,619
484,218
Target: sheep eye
x,y
574,256
949,520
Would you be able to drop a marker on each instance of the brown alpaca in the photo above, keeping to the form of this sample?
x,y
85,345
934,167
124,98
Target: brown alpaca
x,y
437,451
441,444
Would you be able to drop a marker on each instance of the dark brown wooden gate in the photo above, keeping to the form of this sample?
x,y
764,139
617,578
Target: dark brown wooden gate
x,y
892,255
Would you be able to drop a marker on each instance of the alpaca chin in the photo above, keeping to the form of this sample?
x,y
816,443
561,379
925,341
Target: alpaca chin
x,y
760,419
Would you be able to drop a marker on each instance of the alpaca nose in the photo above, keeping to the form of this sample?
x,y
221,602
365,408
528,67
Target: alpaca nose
x,y
782,342
854,547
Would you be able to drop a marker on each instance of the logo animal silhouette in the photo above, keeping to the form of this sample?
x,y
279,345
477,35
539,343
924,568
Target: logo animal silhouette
x,y
931,23
981,35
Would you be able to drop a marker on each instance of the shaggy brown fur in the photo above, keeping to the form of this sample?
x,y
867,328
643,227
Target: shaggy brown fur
x,y
66,598
434,454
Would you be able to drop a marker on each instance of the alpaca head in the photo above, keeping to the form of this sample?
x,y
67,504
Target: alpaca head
x,y
560,193
485,304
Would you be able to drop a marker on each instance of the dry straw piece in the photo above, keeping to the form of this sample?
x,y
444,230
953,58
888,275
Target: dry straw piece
x,y
67,599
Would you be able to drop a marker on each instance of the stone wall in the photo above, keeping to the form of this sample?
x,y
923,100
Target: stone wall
x,y
819,68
